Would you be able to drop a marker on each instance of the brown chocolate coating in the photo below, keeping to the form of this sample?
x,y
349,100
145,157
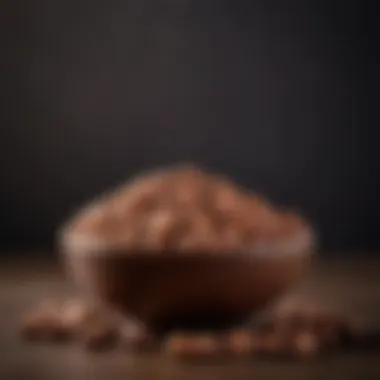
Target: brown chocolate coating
x,y
241,343
44,327
98,336
305,345
140,341
186,210
192,346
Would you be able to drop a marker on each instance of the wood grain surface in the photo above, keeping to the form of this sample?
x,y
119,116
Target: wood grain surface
x,y
351,286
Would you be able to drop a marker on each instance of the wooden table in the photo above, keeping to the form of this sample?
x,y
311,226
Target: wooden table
x,y
350,285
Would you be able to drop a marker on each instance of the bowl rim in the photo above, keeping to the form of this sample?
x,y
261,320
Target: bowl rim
x,y
301,243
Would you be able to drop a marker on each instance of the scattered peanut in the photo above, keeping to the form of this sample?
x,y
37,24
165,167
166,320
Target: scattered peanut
x,y
192,346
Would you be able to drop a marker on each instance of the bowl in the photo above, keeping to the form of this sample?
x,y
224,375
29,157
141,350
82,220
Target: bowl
x,y
166,290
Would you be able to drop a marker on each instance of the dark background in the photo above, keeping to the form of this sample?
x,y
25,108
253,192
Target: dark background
x,y
277,94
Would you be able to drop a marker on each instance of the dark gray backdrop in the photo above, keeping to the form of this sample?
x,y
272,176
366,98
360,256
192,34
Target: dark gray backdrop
x,y
273,93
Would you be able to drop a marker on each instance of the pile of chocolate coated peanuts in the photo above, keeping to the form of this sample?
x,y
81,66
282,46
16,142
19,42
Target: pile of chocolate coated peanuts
x,y
293,334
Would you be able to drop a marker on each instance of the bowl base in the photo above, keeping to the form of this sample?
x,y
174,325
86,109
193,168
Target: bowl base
x,y
195,322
